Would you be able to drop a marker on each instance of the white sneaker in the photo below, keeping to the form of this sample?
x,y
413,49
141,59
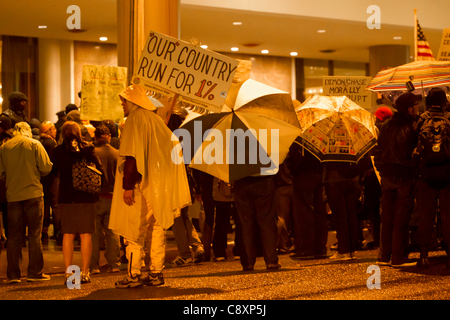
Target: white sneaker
x,y
342,256
42,277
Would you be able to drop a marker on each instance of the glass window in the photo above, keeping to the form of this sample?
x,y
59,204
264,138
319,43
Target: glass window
x,y
314,70
347,68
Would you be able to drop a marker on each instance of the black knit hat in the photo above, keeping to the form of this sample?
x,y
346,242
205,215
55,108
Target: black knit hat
x,y
437,97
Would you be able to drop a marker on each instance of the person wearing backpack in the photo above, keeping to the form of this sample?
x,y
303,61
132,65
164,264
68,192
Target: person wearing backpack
x,y
393,159
433,184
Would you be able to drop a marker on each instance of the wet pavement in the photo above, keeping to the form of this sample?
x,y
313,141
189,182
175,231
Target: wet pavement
x,y
315,279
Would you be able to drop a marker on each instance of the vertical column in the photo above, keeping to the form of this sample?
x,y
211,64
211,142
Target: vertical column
x,y
300,79
135,19
49,79
67,74
386,56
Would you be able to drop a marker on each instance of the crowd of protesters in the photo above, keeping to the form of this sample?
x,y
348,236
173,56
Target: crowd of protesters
x,y
288,213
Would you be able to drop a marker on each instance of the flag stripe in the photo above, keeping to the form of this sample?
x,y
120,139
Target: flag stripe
x,y
423,48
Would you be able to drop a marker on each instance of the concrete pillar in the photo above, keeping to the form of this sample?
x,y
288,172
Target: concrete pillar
x,y
49,79
67,73
386,56
135,19
56,77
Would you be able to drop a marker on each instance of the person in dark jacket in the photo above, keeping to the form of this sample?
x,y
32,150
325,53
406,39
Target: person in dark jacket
x,y
309,213
433,185
50,182
108,157
16,112
76,208
393,159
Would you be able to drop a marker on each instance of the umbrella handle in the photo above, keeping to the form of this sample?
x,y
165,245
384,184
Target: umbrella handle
x,y
172,106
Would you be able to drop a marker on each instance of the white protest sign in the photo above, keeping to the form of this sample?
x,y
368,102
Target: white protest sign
x,y
353,87
100,90
168,65
444,49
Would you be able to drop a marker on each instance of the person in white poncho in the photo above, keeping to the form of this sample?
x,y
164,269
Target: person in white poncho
x,y
149,187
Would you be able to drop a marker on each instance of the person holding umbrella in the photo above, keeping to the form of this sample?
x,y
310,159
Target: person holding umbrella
x,y
393,159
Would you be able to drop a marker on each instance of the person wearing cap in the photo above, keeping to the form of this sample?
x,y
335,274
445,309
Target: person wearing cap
x,y
149,187
433,185
17,104
24,194
108,157
393,159
61,119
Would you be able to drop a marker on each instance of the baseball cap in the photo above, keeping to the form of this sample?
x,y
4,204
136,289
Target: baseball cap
x,y
17,96
102,131
406,100
71,107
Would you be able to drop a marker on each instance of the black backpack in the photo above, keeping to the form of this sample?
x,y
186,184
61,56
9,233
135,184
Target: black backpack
x,y
434,139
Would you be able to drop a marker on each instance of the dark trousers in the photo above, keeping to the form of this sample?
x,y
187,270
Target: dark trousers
x,y
284,198
222,222
205,183
343,197
51,189
20,213
397,203
254,199
310,216
427,204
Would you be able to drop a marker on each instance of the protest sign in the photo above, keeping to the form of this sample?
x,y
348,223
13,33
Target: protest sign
x,y
168,65
352,87
100,90
444,49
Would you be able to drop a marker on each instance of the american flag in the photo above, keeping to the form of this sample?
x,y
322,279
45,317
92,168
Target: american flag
x,y
424,52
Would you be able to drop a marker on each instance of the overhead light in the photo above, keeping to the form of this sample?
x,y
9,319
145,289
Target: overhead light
x,y
42,27
235,49
321,31
294,54
204,46
103,39
265,51
397,38
237,23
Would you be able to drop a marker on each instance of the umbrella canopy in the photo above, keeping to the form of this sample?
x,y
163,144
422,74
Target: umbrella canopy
x,y
250,138
334,128
425,73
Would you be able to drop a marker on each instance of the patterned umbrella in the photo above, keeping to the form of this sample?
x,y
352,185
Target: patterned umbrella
x,y
250,138
334,128
425,74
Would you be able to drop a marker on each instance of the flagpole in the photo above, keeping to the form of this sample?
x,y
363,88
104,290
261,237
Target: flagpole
x,y
415,34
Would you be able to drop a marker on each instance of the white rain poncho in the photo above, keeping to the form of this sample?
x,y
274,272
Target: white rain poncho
x,y
164,184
